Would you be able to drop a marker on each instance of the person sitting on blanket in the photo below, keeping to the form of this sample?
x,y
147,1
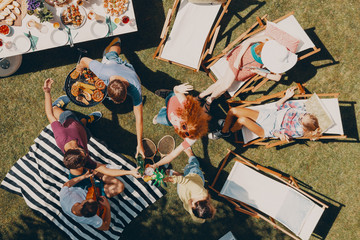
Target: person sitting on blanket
x,y
285,121
248,59
74,203
186,115
191,191
121,80
72,136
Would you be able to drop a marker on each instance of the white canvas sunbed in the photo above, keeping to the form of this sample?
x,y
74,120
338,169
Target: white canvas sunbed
x,y
330,104
191,32
288,24
250,189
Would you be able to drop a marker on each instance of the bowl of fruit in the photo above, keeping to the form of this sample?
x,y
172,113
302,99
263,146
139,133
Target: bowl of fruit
x,y
5,30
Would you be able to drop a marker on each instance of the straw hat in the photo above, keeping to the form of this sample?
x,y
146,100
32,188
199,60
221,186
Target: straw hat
x,y
276,57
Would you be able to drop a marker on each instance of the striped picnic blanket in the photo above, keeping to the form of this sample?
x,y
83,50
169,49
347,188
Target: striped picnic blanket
x,y
40,174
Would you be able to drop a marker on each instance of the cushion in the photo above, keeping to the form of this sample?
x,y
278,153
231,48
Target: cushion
x,y
314,106
207,1
282,37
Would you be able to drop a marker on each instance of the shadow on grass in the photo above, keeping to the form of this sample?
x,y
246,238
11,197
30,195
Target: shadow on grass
x,y
33,228
234,8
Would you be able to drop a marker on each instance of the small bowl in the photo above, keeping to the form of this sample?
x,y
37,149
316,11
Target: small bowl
x,y
3,28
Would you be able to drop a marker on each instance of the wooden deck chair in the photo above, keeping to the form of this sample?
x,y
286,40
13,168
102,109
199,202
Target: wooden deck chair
x,y
329,102
266,194
218,65
193,30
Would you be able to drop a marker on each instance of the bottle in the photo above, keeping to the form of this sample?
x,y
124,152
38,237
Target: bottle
x,y
140,163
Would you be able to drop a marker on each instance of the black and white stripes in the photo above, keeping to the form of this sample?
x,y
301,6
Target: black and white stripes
x,y
40,174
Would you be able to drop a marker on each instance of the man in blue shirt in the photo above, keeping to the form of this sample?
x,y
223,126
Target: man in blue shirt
x,y
121,80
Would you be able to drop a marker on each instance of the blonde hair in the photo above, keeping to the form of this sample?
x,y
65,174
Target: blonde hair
x,y
311,128
195,120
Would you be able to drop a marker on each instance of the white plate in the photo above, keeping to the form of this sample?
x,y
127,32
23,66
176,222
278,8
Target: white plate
x,y
59,37
99,30
22,43
82,12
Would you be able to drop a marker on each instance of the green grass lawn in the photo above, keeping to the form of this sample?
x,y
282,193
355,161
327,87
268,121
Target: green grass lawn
x,y
331,168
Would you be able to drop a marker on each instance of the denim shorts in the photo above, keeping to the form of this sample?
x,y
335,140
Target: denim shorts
x,y
86,183
193,166
114,58
69,114
162,117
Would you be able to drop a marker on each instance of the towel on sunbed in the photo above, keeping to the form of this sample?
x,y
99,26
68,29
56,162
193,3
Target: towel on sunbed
x,y
40,174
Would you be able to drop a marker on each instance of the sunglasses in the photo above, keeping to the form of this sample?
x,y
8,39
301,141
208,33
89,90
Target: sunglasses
x,y
184,127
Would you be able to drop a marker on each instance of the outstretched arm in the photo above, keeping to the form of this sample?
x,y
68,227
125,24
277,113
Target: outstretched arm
x,y
138,112
48,108
84,63
181,90
272,76
169,157
74,181
289,93
116,172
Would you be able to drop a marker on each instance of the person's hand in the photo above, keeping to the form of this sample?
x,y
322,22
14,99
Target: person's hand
x,y
154,166
88,174
290,92
284,137
140,150
168,179
135,172
103,201
183,88
79,68
47,85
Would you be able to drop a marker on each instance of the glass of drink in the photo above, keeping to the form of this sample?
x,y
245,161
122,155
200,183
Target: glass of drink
x,y
94,16
42,28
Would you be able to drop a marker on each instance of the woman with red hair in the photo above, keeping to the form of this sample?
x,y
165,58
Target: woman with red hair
x,y
184,112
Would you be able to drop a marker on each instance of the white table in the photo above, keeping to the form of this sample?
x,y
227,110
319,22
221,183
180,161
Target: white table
x,y
81,34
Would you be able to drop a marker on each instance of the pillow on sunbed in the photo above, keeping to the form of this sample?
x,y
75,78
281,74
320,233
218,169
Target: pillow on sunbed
x,y
207,1
282,37
314,106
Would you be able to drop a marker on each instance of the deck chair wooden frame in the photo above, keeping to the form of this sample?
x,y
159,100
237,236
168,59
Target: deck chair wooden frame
x,y
255,82
209,42
251,211
267,142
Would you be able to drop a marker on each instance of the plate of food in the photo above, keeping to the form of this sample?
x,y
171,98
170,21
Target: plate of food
x,y
115,7
59,37
85,89
99,30
73,16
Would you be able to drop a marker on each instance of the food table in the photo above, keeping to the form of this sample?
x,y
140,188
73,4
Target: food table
x,y
56,37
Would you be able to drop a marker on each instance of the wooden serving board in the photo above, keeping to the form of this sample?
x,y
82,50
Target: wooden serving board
x,y
19,18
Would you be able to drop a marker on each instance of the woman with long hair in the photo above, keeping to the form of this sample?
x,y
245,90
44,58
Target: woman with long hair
x,y
185,114
288,120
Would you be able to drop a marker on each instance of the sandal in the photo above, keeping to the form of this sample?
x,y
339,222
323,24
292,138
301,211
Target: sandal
x,y
162,92
207,107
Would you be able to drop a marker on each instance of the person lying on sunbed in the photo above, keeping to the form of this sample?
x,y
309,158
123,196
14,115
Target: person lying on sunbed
x,y
285,121
72,135
185,114
258,55
76,203
190,188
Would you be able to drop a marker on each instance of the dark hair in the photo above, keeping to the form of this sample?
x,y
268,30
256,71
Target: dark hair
x,y
117,91
74,158
89,209
203,209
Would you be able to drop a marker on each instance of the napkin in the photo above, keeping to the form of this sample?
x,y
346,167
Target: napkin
x,y
112,25
34,40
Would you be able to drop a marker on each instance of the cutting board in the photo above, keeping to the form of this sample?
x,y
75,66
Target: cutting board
x,y
19,17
